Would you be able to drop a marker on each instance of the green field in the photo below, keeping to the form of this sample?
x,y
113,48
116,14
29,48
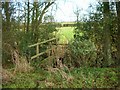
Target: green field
x,y
65,34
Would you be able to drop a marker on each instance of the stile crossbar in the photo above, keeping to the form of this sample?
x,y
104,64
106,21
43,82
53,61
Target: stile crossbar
x,y
42,42
37,48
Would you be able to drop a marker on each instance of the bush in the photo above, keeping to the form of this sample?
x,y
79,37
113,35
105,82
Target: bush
x,y
82,51
9,39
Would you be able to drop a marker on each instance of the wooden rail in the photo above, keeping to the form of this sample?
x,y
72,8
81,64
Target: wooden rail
x,y
37,48
42,42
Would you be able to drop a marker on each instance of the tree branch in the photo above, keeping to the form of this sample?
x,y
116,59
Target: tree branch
x,y
44,11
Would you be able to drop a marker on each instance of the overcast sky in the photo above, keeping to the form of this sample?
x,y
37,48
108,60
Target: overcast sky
x,y
66,8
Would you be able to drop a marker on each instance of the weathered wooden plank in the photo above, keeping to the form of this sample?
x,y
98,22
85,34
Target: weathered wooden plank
x,y
33,45
42,42
35,56
48,40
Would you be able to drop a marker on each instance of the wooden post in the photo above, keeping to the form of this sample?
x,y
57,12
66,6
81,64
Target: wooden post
x,y
50,46
37,50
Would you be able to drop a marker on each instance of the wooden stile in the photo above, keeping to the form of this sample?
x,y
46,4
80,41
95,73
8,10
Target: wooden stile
x,y
37,48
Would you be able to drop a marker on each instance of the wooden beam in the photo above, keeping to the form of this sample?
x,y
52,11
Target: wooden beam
x,y
48,40
42,42
35,56
37,50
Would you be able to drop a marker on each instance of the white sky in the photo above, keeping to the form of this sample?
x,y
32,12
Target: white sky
x,y
66,8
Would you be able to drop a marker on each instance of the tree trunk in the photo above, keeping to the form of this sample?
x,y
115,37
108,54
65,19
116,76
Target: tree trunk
x,y
107,41
36,34
28,16
7,14
33,15
118,32
39,16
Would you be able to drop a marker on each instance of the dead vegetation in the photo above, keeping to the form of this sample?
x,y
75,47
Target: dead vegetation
x,y
20,62
60,68
66,76
22,66
6,76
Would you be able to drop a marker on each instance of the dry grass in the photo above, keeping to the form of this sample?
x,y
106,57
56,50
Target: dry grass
x,y
6,76
22,65
60,68
49,84
60,71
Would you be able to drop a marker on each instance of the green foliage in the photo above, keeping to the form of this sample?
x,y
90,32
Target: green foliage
x,y
25,39
95,25
22,39
46,31
83,50
9,39
96,77
82,78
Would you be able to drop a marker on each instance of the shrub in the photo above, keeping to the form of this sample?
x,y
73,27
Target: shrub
x,y
82,51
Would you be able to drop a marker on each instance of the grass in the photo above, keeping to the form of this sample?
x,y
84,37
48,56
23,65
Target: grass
x,y
65,34
82,78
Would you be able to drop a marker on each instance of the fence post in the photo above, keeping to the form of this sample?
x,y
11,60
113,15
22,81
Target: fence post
x,y
50,52
37,50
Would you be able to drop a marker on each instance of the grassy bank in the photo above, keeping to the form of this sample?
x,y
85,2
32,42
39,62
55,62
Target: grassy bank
x,y
76,78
